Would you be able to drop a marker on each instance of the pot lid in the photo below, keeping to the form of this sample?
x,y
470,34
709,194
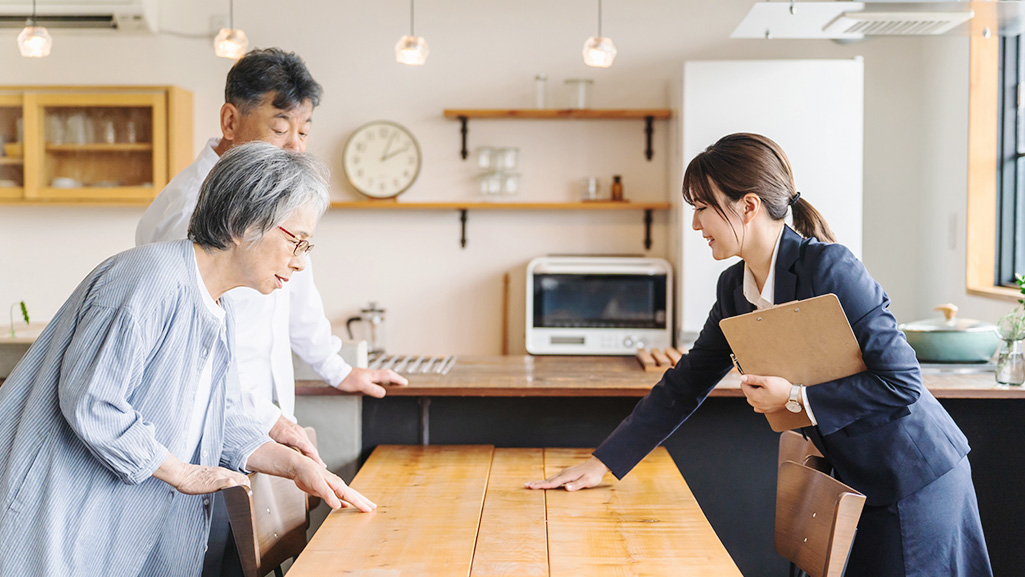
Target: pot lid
x,y
948,324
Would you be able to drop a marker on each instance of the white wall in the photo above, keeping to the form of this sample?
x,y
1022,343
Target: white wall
x,y
443,299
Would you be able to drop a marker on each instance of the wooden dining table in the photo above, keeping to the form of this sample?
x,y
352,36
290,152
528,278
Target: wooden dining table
x,y
463,510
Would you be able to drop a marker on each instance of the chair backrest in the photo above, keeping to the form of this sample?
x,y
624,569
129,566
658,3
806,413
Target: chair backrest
x,y
816,519
793,446
269,520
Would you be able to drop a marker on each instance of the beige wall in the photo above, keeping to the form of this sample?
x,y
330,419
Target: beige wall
x,y
443,299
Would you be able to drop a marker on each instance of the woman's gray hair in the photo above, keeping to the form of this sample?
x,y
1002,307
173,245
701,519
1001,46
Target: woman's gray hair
x,y
252,189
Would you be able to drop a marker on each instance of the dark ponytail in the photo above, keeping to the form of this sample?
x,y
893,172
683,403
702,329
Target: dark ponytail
x,y
744,163
809,222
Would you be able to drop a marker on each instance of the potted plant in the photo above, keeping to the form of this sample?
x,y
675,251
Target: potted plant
x,y
24,315
1011,327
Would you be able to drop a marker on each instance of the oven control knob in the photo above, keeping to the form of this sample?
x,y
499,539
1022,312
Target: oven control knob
x,y
629,342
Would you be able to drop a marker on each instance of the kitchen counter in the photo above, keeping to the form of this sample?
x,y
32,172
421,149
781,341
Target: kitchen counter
x,y
568,376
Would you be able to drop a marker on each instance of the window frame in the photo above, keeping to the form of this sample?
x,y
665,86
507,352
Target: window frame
x,y
981,273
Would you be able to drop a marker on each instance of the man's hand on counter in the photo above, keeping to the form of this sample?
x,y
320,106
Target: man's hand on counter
x,y
371,382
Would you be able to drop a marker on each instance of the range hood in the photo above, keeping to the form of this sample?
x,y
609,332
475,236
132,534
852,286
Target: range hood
x,y
843,19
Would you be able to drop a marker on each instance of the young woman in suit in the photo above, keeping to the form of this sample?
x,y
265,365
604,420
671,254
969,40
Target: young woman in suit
x,y
883,432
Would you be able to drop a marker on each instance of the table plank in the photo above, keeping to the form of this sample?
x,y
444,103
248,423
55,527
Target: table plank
x,y
462,510
429,504
511,541
648,524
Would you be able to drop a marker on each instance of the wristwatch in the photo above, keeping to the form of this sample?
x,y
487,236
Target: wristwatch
x,y
793,405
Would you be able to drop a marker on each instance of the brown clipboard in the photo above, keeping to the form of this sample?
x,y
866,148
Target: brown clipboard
x,y
807,342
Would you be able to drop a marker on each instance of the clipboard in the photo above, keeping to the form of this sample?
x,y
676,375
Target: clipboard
x,y
806,342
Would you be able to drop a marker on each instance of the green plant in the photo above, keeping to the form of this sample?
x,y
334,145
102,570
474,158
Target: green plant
x,y
24,315
1012,325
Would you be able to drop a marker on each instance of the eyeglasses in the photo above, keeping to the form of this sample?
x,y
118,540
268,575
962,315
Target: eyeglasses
x,y
301,246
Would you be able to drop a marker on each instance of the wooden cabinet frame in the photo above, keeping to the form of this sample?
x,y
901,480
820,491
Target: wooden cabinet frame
x,y
167,147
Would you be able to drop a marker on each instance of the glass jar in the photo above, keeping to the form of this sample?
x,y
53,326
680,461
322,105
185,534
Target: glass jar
x,y
578,93
1011,364
540,87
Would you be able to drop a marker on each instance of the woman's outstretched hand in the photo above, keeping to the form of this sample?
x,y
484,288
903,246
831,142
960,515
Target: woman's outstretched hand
x,y
582,476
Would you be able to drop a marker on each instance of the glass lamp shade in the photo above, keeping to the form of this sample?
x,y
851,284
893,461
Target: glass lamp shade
x,y
599,52
231,43
35,42
411,50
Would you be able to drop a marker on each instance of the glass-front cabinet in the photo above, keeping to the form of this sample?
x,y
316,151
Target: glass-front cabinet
x,y
93,144
12,154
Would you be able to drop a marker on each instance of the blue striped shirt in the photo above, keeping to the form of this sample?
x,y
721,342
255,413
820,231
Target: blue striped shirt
x,y
93,409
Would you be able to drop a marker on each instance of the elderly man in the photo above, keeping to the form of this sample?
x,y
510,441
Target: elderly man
x,y
118,417
270,96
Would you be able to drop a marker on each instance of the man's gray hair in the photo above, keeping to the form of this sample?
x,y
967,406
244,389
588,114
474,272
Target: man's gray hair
x,y
252,189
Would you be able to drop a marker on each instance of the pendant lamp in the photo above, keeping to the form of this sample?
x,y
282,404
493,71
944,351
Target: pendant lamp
x,y
231,42
598,50
34,41
411,49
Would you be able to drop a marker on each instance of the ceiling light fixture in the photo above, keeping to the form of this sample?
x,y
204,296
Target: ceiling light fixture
x,y
34,41
231,42
411,49
598,50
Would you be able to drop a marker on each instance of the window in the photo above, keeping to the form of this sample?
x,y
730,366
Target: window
x,y
985,155
1010,197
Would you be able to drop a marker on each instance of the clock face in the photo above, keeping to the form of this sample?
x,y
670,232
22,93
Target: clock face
x,y
381,159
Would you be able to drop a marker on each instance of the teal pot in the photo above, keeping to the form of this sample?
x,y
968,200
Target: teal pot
x,y
952,340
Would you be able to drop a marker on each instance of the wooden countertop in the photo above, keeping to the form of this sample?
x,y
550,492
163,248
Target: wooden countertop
x,y
567,376
463,510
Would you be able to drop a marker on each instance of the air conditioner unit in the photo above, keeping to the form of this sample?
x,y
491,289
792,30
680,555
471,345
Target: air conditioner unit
x,y
118,15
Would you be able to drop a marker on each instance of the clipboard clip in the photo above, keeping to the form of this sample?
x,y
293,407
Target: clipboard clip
x,y
736,363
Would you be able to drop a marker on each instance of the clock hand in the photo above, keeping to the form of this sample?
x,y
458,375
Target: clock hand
x,y
397,152
387,146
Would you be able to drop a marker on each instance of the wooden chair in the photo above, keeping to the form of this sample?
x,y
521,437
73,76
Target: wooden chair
x,y
269,521
816,519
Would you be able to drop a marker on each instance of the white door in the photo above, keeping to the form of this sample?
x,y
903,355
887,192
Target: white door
x,y
812,108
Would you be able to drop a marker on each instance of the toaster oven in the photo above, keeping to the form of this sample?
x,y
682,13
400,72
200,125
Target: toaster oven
x,y
579,305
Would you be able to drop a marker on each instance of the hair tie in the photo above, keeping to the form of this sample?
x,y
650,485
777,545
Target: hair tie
x,y
793,199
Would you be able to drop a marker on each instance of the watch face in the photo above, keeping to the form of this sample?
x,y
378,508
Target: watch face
x,y
381,159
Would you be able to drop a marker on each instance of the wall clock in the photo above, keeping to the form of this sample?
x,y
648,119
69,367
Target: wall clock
x,y
381,159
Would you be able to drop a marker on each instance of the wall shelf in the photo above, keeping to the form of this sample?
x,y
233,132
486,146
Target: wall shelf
x,y
101,147
464,207
649,115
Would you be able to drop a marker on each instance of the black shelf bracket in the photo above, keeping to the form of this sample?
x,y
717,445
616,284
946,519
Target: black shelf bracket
x,y
462,223
647,229
649,129
463,121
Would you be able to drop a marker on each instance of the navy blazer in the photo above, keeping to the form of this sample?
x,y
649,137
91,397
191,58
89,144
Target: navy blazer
x,y
884,433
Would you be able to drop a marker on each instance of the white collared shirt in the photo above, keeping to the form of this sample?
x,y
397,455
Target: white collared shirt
x,y
268,327
767,298
205,385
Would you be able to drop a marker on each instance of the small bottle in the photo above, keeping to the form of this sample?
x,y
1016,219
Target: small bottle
x,y
617,188
540,82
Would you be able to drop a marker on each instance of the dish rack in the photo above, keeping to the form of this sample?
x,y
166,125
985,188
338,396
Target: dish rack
x,y
413,364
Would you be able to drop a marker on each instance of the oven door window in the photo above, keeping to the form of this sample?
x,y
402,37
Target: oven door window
x,y
599,301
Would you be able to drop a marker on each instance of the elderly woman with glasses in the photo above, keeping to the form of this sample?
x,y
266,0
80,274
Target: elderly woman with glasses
x,y
124,415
